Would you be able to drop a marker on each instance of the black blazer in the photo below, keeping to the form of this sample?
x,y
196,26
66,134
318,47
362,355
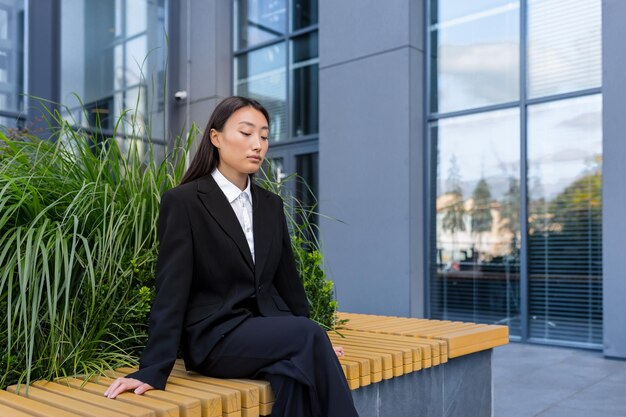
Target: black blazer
x,y
205,271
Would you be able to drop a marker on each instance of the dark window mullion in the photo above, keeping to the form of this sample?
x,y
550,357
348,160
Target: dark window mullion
x,y
523,207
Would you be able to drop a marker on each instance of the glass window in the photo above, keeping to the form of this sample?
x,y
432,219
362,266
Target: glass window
x,y
8,124
12,55
118,62
283,75
477,219
136,53
306,192
136,16
564,41
275,168
475,53
259,21
306,188
565,220
4,24
475,261
303,13
261,74
304,80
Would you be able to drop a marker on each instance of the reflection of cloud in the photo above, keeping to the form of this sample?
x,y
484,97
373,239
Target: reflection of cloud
x,y
479,74
586,121
485,58
564,155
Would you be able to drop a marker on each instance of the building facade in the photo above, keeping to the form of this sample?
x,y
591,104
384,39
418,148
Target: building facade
x,y
467,155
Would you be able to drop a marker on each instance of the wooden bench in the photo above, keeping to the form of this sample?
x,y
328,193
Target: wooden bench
x,y
378,348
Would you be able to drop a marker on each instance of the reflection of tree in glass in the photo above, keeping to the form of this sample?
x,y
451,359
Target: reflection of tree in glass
x,y
455,209
481,211
571,229
510,212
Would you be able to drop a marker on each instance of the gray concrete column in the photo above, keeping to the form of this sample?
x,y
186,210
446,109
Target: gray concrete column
x,y
614,175
372,153
200,60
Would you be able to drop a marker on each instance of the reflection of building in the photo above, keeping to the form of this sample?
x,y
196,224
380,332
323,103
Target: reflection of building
x,y
493,243
386,108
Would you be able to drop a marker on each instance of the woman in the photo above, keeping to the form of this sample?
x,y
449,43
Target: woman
x,y
227,285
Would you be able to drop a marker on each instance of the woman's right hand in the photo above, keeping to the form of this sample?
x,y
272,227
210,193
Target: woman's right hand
x,y
125,384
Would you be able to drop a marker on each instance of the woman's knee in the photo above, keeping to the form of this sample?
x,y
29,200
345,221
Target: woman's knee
x,y
306,326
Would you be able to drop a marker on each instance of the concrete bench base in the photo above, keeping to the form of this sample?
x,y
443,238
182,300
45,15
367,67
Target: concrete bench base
x,y
459,388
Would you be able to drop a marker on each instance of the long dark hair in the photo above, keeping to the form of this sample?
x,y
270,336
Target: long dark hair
x,y
207,156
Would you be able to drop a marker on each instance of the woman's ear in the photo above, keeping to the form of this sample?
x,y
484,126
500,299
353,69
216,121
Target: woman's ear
x,y
215,139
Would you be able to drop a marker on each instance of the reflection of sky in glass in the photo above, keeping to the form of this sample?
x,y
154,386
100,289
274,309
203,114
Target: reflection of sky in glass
x,y
136,16
4,24
262,75
453,9
262,61
477,54
564,142
136,52
264,21
485,145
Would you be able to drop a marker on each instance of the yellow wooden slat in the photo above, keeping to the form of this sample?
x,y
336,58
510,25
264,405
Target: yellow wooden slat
x,y
231,399
459,337
383,340
466,350
430,352
188,407
161,408
390,357
354,383
265,409
364,368
266,396
65,403
6,411
32,406
404,353
249,393
211,404
97,400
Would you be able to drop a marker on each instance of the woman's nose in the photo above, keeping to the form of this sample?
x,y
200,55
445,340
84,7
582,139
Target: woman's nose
x,y
256,142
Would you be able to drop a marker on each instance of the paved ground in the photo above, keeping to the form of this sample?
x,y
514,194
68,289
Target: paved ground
x,y
533,380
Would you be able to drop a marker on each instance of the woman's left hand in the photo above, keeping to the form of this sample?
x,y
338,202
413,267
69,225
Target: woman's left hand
x,y
338,351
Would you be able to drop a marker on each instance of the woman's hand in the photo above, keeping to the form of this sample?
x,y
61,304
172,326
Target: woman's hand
x,y
125,384
338,351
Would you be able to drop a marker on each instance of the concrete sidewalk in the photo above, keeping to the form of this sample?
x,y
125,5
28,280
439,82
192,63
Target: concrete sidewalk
x,y
534,380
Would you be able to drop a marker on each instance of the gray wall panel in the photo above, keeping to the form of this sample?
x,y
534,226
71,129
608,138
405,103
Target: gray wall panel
x,y
204,66
417,190
44,36
614,175
372,153
364,181
357,28
416,24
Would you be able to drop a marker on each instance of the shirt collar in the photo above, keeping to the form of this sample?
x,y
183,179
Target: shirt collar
x,y
230,190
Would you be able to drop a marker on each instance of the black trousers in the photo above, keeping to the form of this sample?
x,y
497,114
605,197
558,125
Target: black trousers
x,y
295,355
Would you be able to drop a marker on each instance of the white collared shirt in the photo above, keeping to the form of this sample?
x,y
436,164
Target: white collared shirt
x,y
241,202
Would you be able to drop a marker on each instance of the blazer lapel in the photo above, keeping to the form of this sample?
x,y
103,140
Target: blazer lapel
x,y
263,223
220,209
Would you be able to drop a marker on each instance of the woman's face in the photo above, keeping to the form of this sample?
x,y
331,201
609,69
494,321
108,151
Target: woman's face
x,y
242,143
